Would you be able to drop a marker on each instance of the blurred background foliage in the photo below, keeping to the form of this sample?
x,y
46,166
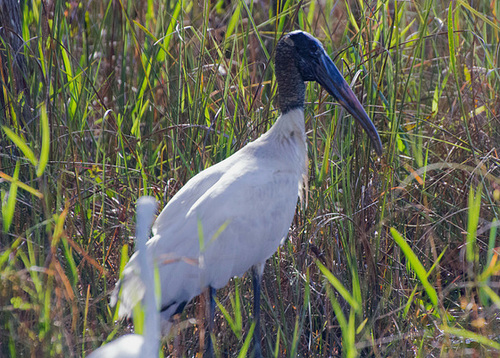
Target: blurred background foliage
x,y
103,102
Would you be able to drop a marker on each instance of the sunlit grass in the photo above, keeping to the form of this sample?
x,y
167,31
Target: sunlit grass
x,y
391,256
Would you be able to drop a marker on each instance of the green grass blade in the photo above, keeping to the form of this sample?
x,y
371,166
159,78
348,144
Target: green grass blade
x,y
227,316
44,154
463,333
486,290
26,187
9,207
277,345
246,345
295,338
21,144
416,266
170,31
123,261
492,239
235,19
412,295
472,222
482,16
338,286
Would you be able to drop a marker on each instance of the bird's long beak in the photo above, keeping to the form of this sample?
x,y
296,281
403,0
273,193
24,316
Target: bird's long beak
x,y
328,76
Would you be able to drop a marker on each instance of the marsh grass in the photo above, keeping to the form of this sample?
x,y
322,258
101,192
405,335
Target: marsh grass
x,y
392,256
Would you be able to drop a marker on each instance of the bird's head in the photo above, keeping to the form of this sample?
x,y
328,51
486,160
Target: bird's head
x,y
300,57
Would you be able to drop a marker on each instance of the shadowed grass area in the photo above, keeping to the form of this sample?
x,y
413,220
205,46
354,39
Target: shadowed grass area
x,y
391,256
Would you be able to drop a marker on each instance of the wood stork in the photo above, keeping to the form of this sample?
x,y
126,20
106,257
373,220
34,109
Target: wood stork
x,y
148,344
234,215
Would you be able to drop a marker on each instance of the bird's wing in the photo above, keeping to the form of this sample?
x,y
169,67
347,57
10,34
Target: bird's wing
x,y
234,213
172,216
236,223
252,219
182,201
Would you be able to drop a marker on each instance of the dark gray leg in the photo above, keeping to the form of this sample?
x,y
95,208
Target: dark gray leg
x,y
256,278
209,352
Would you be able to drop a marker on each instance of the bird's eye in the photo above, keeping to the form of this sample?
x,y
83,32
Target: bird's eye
x,y
315,49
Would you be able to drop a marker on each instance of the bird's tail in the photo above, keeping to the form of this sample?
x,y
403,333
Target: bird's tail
x,y
129,289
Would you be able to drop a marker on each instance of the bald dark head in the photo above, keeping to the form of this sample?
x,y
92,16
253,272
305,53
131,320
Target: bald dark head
x,y
299,58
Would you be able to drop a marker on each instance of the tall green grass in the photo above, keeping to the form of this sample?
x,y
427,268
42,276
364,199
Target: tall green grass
x,y
392,256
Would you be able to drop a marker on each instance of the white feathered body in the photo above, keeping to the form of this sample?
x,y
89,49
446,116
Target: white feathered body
x,y
127,346
227,218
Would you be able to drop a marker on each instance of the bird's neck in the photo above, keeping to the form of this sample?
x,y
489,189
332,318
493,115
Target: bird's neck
x,y
291,94
288,137
291,86
291,124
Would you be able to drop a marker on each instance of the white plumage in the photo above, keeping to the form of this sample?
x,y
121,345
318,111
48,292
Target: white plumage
x,y
249,199
234,215
127,346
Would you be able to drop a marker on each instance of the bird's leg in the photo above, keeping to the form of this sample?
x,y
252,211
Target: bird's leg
x,y
209,352
257,271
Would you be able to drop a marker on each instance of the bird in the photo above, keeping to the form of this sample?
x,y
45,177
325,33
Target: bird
x,y
148,344
231,217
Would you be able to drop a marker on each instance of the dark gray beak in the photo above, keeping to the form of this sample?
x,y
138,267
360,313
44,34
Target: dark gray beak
x,y
329,77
